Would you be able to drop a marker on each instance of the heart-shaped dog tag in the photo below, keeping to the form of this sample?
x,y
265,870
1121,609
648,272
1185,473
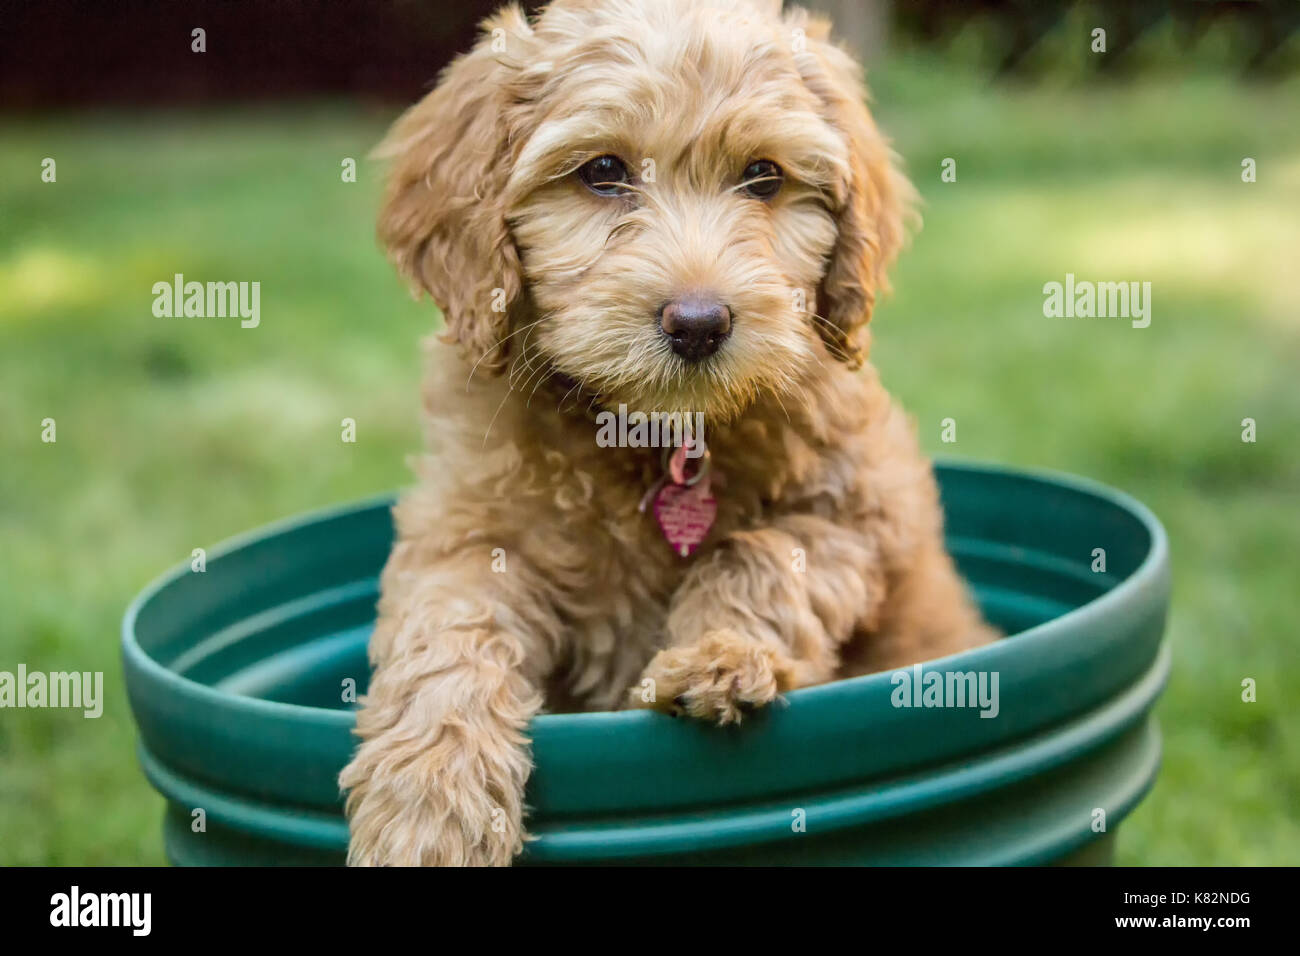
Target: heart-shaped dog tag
x,y
685,514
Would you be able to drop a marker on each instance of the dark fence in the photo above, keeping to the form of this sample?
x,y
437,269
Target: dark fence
x,y
77,52
65,52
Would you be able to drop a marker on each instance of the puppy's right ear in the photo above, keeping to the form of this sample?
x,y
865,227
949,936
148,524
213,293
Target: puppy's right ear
x,y
443,219
875,202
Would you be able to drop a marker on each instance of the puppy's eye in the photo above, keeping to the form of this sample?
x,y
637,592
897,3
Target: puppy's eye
x,y
761,179
604,175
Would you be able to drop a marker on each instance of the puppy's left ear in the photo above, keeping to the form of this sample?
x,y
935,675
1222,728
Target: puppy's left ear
x,y
873,199
443,220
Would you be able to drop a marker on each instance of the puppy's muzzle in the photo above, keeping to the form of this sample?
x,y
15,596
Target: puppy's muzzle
x,y
696,325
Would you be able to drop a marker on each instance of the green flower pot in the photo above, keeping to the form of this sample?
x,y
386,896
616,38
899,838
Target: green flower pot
x,y
236,677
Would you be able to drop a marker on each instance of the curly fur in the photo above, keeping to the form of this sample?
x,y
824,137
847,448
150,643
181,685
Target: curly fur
x,y
524,575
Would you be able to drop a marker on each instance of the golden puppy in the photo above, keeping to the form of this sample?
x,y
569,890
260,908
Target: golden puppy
x,y
673,206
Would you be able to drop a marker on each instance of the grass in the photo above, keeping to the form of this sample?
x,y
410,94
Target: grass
x,y
176,433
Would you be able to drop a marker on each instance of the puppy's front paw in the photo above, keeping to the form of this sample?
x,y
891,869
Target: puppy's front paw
x,y
432,809
719,678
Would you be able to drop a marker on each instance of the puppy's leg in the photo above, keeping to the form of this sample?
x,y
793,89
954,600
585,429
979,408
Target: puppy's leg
x,y
439,776
929,615
766,612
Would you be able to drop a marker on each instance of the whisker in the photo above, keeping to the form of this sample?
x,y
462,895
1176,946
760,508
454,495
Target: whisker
x,y
492,421
517,375
493,348
540,374
758,179
559,406
512,376
526,356
839,351
777,395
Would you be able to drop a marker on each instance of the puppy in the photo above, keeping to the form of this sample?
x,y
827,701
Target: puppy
x,y
667,206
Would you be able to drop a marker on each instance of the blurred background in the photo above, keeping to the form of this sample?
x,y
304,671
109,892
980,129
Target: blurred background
x,y
1122,165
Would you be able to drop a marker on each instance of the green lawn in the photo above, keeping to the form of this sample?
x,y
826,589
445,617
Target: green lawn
x,y
176,433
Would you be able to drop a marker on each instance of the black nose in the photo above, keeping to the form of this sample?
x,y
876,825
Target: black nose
x,y
695,325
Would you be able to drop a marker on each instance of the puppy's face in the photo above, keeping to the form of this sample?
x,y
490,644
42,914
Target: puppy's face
x,y
678,205
673,216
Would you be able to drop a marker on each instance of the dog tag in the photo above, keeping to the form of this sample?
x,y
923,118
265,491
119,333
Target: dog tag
x,y
685,514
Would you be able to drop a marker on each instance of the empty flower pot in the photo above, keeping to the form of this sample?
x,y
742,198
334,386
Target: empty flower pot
x,y
238,677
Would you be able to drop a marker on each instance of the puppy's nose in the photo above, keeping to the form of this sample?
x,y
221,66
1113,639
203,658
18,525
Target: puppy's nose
x,y
695,325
